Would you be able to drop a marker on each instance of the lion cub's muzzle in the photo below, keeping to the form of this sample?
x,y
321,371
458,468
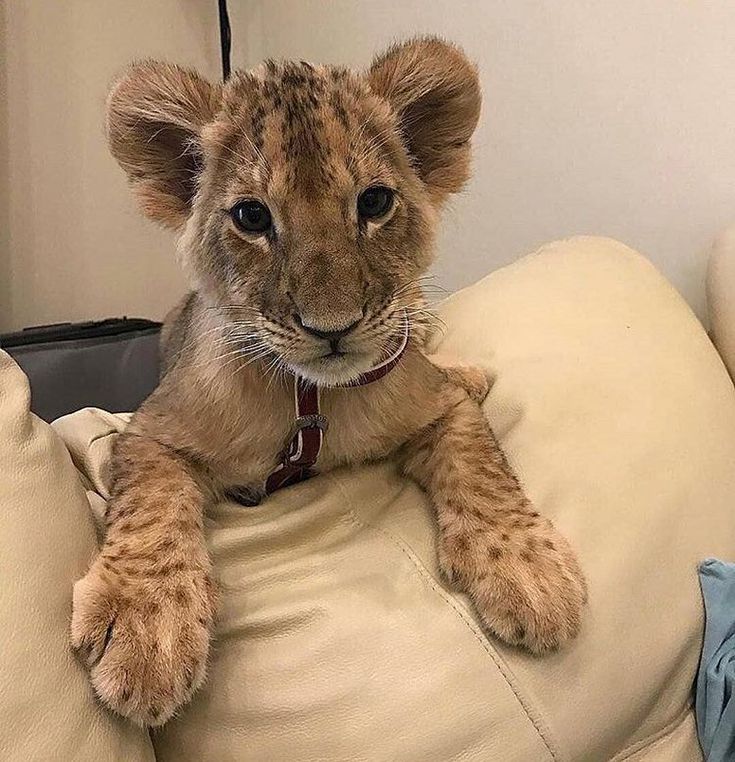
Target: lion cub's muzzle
x,y
332,331
332,348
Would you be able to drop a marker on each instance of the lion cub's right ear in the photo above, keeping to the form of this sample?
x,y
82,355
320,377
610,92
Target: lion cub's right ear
x,y
155,115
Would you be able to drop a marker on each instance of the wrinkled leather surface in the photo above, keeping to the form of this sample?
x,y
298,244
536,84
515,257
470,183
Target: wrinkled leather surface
x,y
337,638
47,709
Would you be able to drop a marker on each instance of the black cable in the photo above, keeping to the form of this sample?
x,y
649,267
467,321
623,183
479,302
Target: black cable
x,y
225,38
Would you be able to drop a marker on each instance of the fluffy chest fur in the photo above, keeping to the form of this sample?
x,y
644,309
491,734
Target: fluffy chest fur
x,y
237,426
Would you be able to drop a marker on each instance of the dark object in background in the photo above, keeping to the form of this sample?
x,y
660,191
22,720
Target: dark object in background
x,y
225,38
112,364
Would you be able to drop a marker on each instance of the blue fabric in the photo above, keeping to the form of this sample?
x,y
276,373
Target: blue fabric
x,y
715,703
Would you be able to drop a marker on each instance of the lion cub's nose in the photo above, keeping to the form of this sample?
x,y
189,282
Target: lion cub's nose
x,y
322,332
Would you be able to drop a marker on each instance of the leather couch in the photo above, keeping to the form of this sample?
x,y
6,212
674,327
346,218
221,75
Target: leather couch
x,y
337,637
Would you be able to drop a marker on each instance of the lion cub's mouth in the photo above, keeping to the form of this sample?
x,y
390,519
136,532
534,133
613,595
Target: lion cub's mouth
x,y
335,367
330,359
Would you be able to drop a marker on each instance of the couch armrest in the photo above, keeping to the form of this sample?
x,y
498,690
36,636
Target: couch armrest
x,y
47,538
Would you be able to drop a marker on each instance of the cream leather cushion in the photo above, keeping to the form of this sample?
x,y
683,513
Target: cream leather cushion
x,y
721,296
47,538
337,638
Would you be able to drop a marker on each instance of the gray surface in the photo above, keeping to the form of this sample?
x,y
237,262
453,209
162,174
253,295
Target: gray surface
x,y
115,373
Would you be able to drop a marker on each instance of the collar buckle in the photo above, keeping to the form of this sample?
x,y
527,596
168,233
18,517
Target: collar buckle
x,y
311,421
307,432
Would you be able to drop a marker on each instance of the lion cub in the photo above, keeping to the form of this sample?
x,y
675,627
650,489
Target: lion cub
x,y
306,201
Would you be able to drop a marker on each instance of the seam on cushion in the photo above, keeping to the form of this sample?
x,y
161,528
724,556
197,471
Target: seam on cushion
x,y
533,716
79,464
97,437
659,736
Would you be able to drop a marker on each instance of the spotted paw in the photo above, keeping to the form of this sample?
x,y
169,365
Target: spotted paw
x,y
145,640
526,585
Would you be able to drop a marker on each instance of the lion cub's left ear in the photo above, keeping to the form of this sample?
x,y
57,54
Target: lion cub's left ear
x,y
435,91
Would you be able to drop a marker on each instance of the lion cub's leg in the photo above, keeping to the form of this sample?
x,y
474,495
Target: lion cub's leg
x,y
143,613
518,570
475,381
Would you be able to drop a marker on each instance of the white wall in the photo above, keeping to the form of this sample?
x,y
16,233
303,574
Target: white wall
x,y
604,116
72,244
601,116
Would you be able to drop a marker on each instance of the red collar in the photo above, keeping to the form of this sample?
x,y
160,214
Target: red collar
x,y
307,438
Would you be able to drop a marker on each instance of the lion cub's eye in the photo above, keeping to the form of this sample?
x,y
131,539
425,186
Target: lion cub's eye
x,y
251,216
375,201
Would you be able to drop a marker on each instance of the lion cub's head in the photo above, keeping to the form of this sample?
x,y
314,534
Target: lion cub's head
x,y
306,196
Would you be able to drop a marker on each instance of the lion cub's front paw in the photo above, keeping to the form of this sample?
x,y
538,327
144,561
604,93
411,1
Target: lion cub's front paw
x,y
144,639
527,585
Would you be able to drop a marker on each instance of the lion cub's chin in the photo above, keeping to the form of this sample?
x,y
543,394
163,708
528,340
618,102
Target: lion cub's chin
x,y
335,370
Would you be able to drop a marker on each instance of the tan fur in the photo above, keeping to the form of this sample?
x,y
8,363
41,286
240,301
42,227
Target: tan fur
x,y
305,140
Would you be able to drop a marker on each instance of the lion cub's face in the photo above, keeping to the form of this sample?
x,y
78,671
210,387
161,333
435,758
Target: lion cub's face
x,y
306,196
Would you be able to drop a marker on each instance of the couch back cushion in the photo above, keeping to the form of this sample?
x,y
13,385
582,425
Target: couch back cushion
x,y
337,637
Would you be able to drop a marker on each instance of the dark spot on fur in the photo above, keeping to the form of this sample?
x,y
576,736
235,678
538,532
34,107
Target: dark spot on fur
x,y
165,570
458,506
340,112
152,608
181,595
120,512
